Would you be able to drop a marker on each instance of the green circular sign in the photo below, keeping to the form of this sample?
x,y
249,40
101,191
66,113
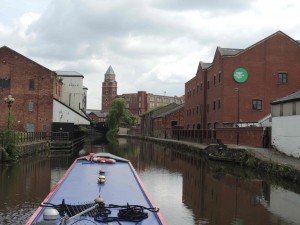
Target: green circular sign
x,y
240,75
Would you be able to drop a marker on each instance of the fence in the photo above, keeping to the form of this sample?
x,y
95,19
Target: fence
x,y
24,137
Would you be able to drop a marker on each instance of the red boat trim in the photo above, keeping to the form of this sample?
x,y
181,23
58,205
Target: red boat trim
x,y
146,193
38,211
34,216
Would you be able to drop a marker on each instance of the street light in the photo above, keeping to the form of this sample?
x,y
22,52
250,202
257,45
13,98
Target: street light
x,y
9,100
238,116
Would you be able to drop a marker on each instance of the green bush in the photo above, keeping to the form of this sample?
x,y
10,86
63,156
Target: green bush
x,y
11,150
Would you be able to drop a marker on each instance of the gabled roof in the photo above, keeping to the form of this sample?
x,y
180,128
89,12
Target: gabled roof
x,y
109,71
205,65
263,40
169,111
99,114
5,47
229,51
289,98
232,52
68,74
154,113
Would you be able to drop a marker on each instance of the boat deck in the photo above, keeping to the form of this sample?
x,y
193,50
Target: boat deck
x,y
80,186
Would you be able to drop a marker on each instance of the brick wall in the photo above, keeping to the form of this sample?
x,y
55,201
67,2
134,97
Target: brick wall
x,y
20,70
218,98
251,136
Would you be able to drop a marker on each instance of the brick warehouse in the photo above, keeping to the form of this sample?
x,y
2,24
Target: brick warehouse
x,y
33,87
271,69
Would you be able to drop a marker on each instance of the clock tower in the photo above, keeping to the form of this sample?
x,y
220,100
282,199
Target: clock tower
x,y
109,89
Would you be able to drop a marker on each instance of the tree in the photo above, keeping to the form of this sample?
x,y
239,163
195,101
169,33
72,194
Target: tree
x,y
9,141
118,114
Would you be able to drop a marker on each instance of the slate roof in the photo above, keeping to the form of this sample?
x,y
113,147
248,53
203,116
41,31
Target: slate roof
x,y
289,98
99,114
168,112
163,110
229,51
69,74
205,65
109,71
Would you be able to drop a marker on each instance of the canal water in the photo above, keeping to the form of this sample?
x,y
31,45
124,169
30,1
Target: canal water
x,y
187,189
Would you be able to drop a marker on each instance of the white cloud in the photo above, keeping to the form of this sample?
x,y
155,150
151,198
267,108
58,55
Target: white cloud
x,y
153,45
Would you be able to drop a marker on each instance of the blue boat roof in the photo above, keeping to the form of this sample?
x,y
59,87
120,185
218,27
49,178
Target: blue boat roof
x,y
80,185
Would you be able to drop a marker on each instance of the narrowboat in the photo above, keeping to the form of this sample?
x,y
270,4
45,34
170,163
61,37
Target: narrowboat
x,y
99,188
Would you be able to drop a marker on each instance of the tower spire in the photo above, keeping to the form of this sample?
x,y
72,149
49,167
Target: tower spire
x,y
109,89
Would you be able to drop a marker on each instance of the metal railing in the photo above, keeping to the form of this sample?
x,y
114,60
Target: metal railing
x,y
24,137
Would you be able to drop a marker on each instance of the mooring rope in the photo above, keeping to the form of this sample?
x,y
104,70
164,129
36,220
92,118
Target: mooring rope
x,y
129,213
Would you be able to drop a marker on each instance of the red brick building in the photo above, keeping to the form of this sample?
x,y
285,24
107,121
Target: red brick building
x,y
159,122
136,103
240,84
33,87
109,89
96,116
142,102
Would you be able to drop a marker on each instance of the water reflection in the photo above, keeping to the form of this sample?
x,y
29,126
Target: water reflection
x,y
23,185
188,189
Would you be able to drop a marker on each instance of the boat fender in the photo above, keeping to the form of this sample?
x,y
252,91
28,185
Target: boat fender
x,y
99,200
103,160
102,171
51,214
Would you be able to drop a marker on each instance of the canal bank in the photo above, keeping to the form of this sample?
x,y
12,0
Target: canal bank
x,y
264,159
29,149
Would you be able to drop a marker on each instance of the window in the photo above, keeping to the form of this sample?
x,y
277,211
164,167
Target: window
x,y
281,109
31,84
282,78
30,127
4,82
256,104
219,103
294,109
30,106
207,84
219,77
214,107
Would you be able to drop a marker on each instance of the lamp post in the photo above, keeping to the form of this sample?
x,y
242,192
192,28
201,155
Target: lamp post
x,y
9,100
238,116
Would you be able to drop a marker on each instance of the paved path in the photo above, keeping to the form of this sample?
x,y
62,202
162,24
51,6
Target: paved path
x,y
271,155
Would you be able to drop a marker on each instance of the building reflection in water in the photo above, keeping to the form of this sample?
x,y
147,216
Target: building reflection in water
x,y
188,189
23,186
211,192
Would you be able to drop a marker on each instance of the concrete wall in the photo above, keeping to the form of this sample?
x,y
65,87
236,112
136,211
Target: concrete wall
x,y
32,148
63,114
286,134
73,92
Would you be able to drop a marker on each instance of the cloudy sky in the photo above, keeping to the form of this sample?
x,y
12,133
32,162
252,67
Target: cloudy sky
x,y
152,45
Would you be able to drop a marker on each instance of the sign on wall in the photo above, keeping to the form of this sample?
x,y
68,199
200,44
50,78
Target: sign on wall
x,y
240,75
